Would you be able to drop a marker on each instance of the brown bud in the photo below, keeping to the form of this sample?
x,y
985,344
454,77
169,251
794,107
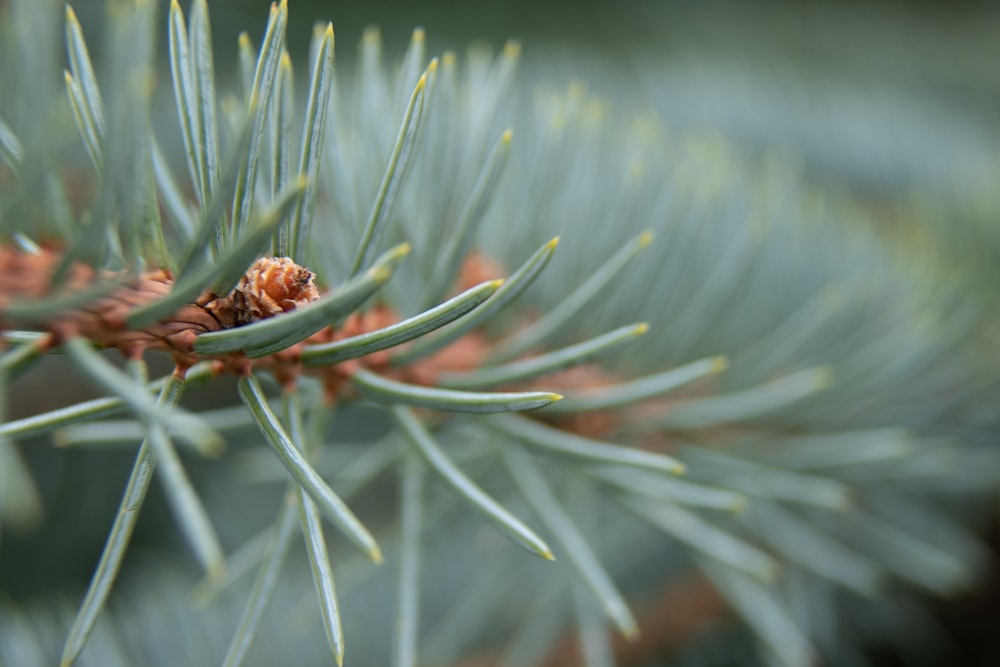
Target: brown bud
x,y
271,286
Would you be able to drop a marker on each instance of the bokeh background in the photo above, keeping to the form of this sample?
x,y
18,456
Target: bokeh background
x,y
896,104
872,94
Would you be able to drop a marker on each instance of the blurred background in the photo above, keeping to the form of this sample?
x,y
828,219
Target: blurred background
x,y
875,95
894,104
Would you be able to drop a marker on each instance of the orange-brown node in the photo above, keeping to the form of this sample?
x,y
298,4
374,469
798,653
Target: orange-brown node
x,y
465,354
237,364
588,377
335,381
359,323
220,308
286,365
26,275
591,423
478,267
271,286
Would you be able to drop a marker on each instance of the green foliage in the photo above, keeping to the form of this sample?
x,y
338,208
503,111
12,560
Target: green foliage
x,y
836,455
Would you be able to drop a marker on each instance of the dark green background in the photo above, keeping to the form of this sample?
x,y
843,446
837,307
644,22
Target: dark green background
x,y
874,95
